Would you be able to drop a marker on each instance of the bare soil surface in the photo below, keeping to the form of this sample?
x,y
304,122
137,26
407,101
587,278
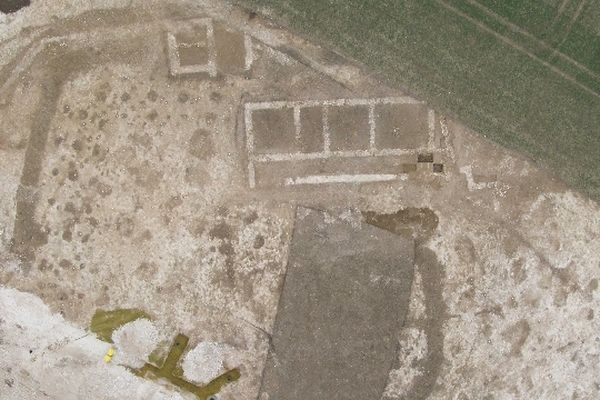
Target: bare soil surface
x,y
149,164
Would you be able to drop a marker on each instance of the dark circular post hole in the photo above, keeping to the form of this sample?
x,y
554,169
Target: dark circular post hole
x,y
11,6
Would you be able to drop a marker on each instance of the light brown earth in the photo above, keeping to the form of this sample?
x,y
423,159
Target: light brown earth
x,y
127,184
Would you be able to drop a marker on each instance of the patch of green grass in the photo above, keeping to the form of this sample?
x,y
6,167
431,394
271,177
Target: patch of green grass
x,y
105,322
172,372
166,367
487,64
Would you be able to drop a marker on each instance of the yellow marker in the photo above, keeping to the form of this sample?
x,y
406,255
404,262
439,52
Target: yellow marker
x,y
109,354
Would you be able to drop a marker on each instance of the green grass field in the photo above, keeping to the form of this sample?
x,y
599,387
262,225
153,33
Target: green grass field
x,y
525,73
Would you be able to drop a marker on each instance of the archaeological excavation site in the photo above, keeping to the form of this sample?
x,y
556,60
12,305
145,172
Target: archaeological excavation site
x,y
200,203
